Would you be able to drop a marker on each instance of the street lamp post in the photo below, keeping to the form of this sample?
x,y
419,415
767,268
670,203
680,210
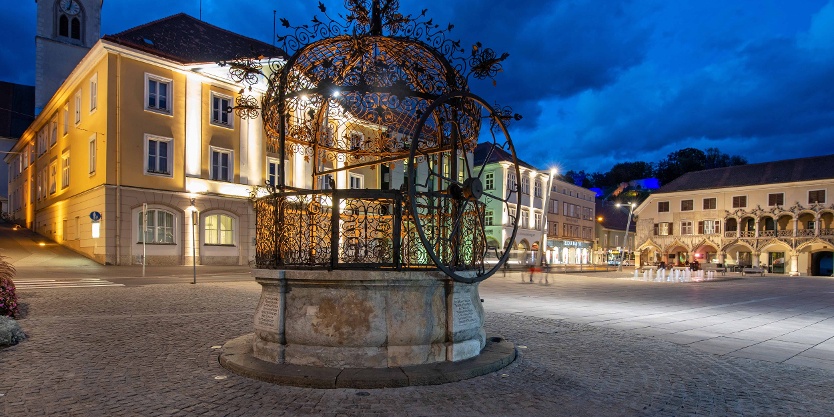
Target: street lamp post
x,y
545,202
625,235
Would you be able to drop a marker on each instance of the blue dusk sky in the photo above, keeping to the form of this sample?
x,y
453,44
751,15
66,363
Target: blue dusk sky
x,y
597,81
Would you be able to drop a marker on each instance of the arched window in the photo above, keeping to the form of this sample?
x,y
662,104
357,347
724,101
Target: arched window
x,y
76,29
219,230
63,26
160,227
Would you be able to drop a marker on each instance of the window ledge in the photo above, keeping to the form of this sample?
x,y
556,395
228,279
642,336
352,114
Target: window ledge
x,y
220,245
157,244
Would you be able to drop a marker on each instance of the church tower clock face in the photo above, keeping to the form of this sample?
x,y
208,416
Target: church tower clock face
x,y
70,7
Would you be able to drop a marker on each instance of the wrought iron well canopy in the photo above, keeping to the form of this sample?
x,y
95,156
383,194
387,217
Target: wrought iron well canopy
x,y
384,96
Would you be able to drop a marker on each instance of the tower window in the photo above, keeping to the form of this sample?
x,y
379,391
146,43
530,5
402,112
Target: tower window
x,y
76,29
63,26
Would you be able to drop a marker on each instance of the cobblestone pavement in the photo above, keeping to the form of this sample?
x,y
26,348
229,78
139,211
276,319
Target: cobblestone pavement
x,y
149,350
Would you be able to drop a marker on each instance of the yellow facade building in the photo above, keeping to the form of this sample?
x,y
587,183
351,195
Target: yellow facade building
x,y
140,129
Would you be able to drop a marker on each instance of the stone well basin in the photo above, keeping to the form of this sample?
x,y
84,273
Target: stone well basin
x,y
365,319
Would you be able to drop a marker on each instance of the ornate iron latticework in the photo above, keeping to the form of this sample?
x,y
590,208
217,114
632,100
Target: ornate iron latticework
x,y
373,89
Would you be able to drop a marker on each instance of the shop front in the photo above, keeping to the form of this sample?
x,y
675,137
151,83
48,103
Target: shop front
x,y
568,252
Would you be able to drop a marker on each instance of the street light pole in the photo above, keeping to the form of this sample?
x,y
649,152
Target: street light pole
x,y
545,202
625,235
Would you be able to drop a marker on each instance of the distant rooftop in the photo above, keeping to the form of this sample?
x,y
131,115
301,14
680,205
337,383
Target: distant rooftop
x,y
613,217
788,170
498,155
188,40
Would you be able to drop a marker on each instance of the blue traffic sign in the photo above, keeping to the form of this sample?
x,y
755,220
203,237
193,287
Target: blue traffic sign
x,y
96,216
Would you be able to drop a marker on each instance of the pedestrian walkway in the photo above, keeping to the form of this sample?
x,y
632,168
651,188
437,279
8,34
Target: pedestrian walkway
x,y
43,284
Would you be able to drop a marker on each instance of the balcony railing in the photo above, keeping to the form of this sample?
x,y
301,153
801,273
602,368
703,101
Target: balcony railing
x,y
785,233
747,233
767,233
826,232
805,233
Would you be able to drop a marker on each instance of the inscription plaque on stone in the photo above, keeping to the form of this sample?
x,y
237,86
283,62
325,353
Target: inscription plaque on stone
x,y
464,313
267,315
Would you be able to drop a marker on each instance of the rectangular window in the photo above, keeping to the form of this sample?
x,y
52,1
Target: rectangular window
x,y
489,181
512,215
65,170
708,227
686,205
219,230
525,184
53,177
157,155
538,188
663,229
686,227
662,206
92,154
525,219
53,132
554,229
356,140
488,217
816,196
326,182
554,206
357,181
160,228
220,109
537,219
271,171
157,93
511,182
221,164
93,92
776,199
709,204
78,107
66,119
740,201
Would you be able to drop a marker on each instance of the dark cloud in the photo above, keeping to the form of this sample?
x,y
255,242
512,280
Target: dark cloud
x,y
598,82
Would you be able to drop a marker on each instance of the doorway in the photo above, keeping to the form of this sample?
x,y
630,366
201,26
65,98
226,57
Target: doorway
x,y
821,263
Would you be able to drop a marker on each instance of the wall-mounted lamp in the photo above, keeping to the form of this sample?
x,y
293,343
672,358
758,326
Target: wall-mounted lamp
x,y
193,202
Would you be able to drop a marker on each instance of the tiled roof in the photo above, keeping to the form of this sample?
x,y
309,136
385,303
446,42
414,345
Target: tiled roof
x,y
789,170
613,217
188,40
498,155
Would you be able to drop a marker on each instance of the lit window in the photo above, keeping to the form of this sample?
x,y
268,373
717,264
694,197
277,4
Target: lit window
x,y
537,218
157,155
160,227
219,230
525,219
220,106
525,184
157,94
221,164
538,188
65,169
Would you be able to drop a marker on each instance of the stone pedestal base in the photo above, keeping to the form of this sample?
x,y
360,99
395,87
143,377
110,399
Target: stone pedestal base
x,y
366,319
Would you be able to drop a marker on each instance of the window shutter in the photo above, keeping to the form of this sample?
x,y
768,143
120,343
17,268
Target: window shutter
x,y
655,229
718,226
700,228
671,229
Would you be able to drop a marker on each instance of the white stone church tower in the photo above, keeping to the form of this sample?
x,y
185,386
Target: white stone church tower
x,y
67,29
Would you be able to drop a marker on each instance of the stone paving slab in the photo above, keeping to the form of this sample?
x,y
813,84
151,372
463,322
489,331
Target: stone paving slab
x,y
147,351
